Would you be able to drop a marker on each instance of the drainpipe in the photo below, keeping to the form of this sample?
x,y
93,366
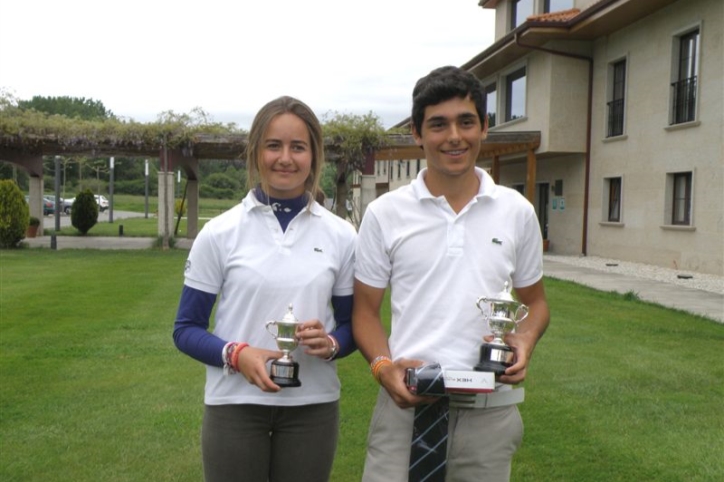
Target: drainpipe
x,y
584,235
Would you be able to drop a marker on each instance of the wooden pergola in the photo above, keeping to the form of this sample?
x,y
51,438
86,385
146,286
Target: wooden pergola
x,y
29,153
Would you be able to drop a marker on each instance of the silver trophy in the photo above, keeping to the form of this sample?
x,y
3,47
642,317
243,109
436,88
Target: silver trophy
x,y
285,371
502,313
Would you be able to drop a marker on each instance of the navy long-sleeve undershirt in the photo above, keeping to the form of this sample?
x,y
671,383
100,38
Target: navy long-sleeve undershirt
x,y
191,329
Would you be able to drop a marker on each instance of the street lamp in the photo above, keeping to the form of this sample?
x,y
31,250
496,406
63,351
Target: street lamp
x,y
110,193
146,175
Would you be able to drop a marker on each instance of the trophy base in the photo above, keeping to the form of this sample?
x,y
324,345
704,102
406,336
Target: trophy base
x,y
495,358
286,375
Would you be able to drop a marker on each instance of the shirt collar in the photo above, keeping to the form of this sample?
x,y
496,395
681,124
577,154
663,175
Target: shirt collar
x,y
252,202
487,185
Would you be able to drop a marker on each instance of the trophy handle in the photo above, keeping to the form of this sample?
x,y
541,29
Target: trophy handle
x,y
481,300
521,313
268,324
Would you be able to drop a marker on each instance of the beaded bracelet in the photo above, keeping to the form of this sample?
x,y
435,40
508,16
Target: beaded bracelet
x,y
335,348
377,364
226,353
235,355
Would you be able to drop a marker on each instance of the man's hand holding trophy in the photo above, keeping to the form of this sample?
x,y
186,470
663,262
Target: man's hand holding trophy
x,y
502,313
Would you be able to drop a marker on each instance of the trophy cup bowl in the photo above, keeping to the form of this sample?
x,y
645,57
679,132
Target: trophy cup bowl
x,y
502,313
285,371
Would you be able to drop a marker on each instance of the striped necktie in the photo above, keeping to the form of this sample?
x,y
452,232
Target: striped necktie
x,y
428,455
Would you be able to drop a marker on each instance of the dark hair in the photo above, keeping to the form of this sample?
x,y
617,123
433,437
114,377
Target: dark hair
x,y
274,108
445,83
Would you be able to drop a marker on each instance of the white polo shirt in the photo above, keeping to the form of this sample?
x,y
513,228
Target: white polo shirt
x,y
439,263
258,270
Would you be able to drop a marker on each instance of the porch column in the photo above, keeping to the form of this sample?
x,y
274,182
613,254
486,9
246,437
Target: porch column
x,y
368,187
166,203
192,208
530,176
35,200
495,170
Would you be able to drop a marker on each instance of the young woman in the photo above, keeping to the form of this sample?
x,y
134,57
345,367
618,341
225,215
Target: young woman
x,y
278,247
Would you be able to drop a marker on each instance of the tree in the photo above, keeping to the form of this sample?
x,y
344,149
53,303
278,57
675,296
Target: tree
x,y
73,107
14,216
353,138
84,212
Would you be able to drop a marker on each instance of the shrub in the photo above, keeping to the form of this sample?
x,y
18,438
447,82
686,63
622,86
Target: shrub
x,y
220,180
210,192
180,210
14,215
34,221
84,212
136,187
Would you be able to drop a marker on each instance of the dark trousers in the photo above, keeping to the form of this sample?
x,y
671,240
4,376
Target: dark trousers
x,y
258,443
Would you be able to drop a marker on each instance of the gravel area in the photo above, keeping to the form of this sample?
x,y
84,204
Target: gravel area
x,y
700,281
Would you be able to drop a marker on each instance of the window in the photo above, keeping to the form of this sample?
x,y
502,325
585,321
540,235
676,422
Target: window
x,y
491,102
520,11
407,167
418,167
399,169
683,89
613,202
557,5
681,207
616,104
515,95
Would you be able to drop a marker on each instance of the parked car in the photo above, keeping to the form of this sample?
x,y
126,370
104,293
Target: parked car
x,y
48,204
100,200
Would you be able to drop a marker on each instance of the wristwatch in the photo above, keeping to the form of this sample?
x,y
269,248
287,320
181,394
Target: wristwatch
x,y
335,348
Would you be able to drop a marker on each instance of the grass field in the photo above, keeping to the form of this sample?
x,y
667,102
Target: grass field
x,y
92,388
142,226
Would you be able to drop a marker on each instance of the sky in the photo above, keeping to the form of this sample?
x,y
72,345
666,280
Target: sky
x,y
230,57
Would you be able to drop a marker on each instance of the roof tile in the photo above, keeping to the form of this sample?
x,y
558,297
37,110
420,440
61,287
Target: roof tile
x,y
562,16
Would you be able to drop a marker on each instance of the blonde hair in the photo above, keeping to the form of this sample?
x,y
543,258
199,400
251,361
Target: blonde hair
x,y
262,120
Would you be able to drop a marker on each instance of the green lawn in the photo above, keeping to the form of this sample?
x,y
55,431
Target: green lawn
x,y
142,226
92,388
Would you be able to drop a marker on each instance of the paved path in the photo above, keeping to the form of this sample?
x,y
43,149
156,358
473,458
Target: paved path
x,y
670,295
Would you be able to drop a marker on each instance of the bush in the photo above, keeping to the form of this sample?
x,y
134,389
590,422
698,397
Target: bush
x,y
210,192
219,180
84,212
178,208
136,187
14,215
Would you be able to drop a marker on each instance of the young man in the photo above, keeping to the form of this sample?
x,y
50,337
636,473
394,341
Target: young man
x,y
440,243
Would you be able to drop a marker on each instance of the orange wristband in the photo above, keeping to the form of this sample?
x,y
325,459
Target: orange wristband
x,y
377,365
235,355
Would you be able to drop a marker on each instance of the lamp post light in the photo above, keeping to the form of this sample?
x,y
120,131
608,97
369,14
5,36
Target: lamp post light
x,y
58,205
110,193
146,175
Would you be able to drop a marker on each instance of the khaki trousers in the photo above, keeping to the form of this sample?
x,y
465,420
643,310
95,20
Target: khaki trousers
x,y
481,443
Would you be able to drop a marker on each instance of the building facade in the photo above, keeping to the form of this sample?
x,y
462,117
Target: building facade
x,y
628,98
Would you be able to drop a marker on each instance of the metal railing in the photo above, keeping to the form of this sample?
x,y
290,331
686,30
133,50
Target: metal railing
x,y
615,118
684,100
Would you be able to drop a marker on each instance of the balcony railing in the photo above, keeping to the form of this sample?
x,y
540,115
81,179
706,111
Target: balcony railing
x,y
615,118
684,100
